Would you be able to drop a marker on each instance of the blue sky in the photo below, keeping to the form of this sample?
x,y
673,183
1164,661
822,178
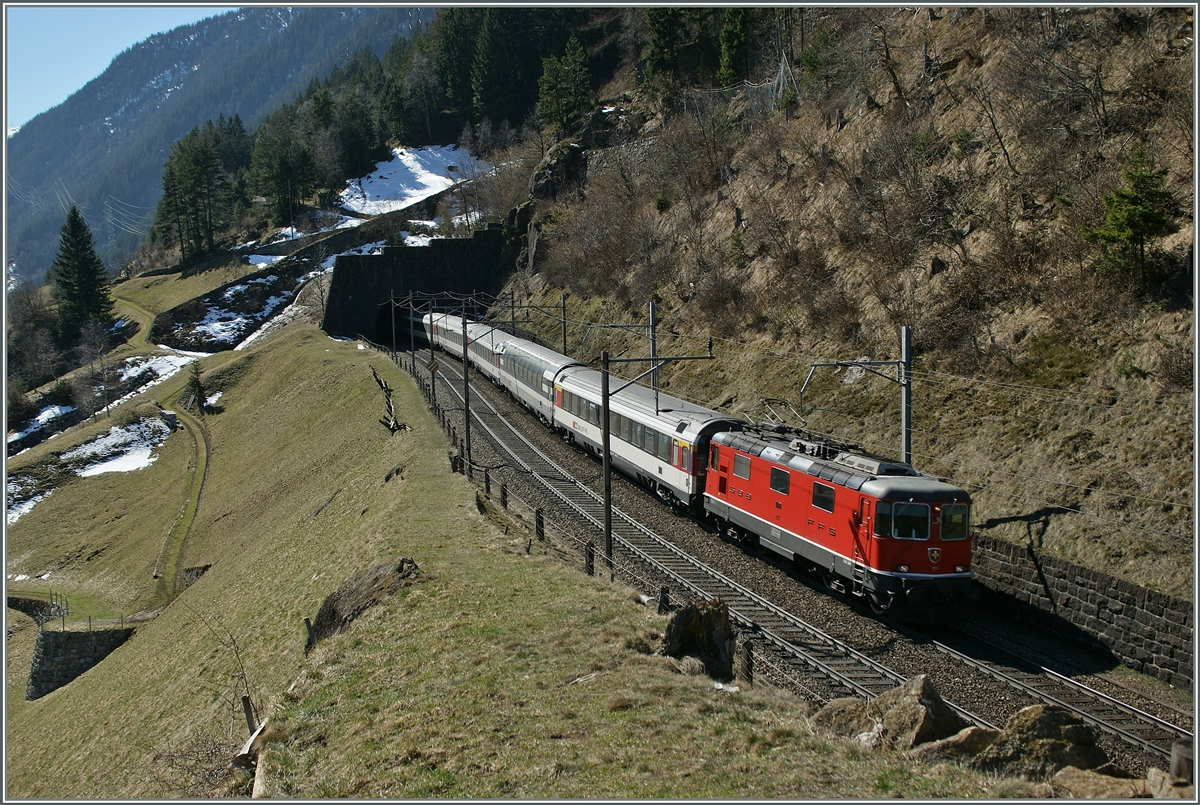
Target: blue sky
x,y
52,51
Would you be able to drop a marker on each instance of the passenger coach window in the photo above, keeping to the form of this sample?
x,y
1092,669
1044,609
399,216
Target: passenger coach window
x,y
883,519
910,520
780,480
955,521
664,447
741,466
823,496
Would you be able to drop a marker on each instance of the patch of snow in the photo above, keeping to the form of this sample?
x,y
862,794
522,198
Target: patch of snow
x,y
135,459
375,247
18,577
262,260
412,175
122,449
163,366
44,416
212,398
219,324
183,352
416,240
18,510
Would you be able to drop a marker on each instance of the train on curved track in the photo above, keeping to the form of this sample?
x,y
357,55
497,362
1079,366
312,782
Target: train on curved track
x,y
873,528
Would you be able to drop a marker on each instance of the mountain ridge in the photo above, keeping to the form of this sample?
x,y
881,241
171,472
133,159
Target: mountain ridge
x,y
103,148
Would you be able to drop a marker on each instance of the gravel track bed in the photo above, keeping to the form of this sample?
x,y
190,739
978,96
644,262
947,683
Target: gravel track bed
x,y
787,589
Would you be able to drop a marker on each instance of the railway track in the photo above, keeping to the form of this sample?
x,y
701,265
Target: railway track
x,y
795,642
1153,735
786,636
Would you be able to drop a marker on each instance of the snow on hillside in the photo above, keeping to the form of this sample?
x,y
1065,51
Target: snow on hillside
x,y
412,175
123,449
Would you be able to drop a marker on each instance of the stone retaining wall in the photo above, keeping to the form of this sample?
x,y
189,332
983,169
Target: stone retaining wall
x,y
1148,631
39,609
59,657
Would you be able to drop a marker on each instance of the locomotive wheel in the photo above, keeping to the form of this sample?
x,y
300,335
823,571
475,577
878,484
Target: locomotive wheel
x,y
876,607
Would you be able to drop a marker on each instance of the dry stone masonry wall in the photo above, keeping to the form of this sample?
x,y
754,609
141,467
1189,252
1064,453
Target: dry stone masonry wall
x,y
1148,631
59,657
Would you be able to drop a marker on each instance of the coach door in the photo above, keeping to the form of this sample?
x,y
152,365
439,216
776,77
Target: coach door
x,y
862,532
720,464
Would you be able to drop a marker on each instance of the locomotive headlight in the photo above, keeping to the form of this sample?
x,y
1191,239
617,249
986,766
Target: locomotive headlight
x,y
901,568
960,568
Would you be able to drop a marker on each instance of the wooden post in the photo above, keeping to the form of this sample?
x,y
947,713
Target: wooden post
x,y
487,483
539,525
744,668
664,600
249,713
528,546
1181,760
503,495
589,559
312,638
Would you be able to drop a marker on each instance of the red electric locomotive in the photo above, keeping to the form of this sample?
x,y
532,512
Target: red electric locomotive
x,y
871,527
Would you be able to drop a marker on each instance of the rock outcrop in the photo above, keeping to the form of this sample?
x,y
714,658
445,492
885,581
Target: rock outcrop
x,y
913,714
901,718
359,593
959,747
1039,741
702,630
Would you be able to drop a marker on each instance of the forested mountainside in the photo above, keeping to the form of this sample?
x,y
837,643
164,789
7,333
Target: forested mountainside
x,y
104,147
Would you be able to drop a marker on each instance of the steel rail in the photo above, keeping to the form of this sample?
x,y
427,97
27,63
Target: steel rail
x,y
1089,704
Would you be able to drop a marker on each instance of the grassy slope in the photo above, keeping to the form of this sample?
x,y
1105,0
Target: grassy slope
x,y
462,686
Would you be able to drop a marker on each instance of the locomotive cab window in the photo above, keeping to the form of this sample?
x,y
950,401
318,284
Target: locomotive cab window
x,y
780,480
823,497
955,521
883,519
741,466
910,520
715,453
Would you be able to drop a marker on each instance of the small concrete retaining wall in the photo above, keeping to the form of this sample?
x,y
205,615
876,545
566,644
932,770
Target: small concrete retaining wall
x,y
1148,631
59,657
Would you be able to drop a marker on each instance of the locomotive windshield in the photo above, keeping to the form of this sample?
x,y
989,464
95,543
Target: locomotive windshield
x,y
910,520
955,521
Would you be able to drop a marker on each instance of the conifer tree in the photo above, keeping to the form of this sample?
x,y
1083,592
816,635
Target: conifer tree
x,y
564,90
734,46
196,389
80,281
1137,213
